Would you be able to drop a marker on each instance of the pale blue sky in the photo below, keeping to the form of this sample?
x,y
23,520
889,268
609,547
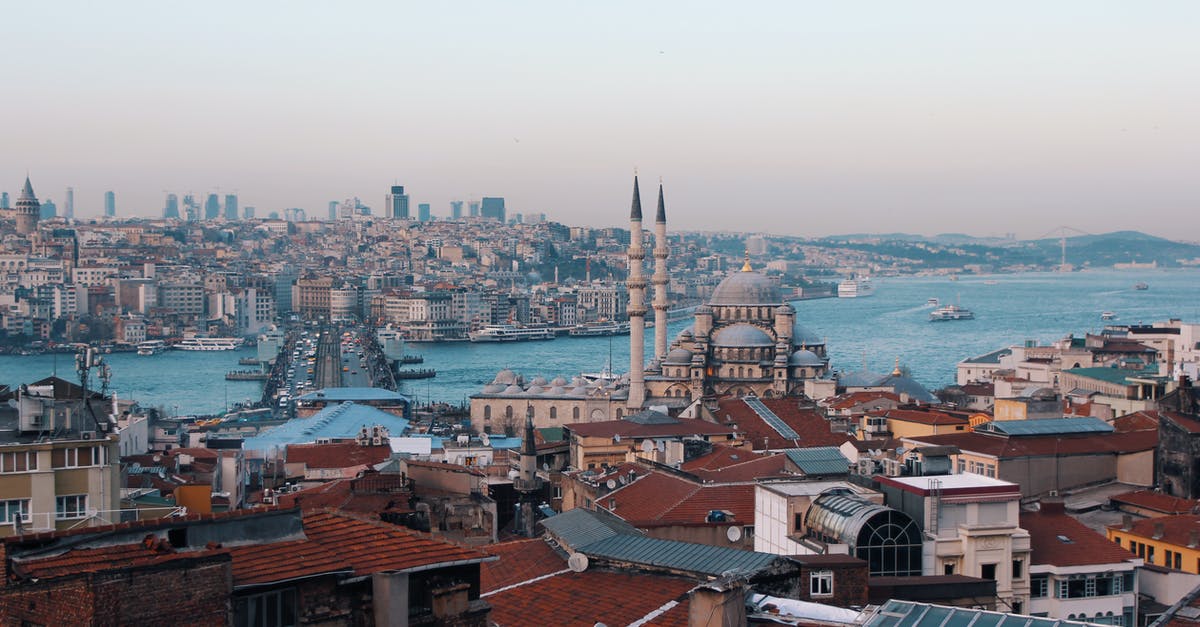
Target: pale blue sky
x,y
805,118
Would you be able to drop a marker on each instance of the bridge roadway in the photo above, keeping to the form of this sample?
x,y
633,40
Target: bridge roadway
x,y
328,371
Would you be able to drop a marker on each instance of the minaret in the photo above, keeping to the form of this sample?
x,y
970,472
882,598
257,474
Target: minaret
x,y
637,305
527,483
27,210
660,279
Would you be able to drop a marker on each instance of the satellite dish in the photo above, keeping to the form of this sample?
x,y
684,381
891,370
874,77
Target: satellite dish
x,y
612,485
617,438
546,466
662,446
512,474
486,440
578,562
733,533
647,446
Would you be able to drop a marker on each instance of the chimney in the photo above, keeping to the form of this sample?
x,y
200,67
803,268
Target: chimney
x,y
1193,538
1126,522
1159,529
719,603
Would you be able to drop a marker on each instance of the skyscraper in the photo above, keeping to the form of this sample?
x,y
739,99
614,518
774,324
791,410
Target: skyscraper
x,y
456,209
69,207
4,200
423,212
492,208
110,204
28,210
333,210
397,203
212,207
473,208
190,208
171,208
248,213
231,207
48,210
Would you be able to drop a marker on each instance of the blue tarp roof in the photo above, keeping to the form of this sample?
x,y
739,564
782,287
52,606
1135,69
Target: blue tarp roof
x,y
344,420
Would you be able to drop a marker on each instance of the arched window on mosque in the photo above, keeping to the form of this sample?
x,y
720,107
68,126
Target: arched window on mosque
x,y
508,412
575,414
553,413
487,412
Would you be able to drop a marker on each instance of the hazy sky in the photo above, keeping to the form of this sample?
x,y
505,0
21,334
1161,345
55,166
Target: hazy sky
x,y
806,118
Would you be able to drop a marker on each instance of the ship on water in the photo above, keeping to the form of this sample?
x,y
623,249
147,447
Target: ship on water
x,y
511,333
856,288
950,312
600,329
209,344
151,347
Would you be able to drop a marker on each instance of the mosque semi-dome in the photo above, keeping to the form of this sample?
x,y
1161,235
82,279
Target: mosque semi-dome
x,y
742,336
679,356
805,357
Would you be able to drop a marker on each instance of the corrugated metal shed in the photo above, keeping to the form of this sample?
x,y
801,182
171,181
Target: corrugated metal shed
x,y
1047,426
682,556
579,527
819,460
910,614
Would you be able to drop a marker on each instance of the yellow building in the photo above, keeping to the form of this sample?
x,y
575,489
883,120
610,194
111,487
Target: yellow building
x,y
1169,541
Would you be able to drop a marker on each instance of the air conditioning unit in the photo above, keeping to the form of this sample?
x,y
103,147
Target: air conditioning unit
x,y
376,441
87,435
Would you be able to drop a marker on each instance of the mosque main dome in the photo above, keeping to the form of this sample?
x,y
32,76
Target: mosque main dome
x,y
746,288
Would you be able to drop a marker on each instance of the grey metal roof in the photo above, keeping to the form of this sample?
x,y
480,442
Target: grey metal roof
x,y
911,614
746,288
682,556
577,528
742,334
989,358
338,395
819,460
1048,426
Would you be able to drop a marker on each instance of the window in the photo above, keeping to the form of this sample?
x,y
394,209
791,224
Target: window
x,y
71,506
820,583
1016,569
948,568
1017,607
1039,586
269,609
21,461
553,413
1150,554
11,509
962,465
798,522
487,412
74,457
987,571
1178,561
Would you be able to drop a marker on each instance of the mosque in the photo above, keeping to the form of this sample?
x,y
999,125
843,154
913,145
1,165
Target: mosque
x,y
744,342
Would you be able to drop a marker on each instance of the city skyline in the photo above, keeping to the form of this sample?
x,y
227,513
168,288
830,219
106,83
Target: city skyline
x,y
795,119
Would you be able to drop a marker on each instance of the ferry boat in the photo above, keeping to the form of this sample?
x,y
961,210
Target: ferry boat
x,y
151,347
209,344
856,288
933,302
950,312
1108,315
1140,286
593,329
510,333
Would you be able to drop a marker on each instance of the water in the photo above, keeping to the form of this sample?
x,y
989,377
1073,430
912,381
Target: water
x,y
893,324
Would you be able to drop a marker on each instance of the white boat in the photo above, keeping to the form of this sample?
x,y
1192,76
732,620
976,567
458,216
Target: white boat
x,y
856,288
950,312
1108,315
209,344
151,347
510,333
933,302
592,329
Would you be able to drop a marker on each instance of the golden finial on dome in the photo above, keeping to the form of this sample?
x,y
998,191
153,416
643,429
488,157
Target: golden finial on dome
x,y
897,372
746,264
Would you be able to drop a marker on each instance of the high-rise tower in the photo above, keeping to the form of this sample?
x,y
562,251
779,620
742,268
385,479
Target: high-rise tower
x,y
69,208
456,209
27,210
637,304
110,204
660,279
171,208
212,207
231,207
397,203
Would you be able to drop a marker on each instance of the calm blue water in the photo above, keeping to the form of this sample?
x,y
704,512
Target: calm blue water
x,y
876,330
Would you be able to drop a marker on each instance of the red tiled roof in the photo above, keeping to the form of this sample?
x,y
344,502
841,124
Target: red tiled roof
x,y
1157,501
721,456
151,552
1175,529
660,498
850,400
343,495
1187,423
812,428
1010,447
584,599
629,429
979,389
340,542
1137,421
1085,547
520,560
919,416
769,466
336,454
445,466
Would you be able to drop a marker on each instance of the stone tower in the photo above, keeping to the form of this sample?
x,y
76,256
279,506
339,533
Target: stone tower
x,y
636,283
661,279
27,210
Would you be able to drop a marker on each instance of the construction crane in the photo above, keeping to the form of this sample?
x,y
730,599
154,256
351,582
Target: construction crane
x,y
1062,233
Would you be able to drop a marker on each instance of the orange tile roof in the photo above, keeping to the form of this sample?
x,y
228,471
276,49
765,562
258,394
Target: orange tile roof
x,y
584,599
343,495
1158,502
1176,529
660,498
629,429
1137,421
925,417
520,561
721,456
812,428
151,552
336,454
340,542
1085,547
